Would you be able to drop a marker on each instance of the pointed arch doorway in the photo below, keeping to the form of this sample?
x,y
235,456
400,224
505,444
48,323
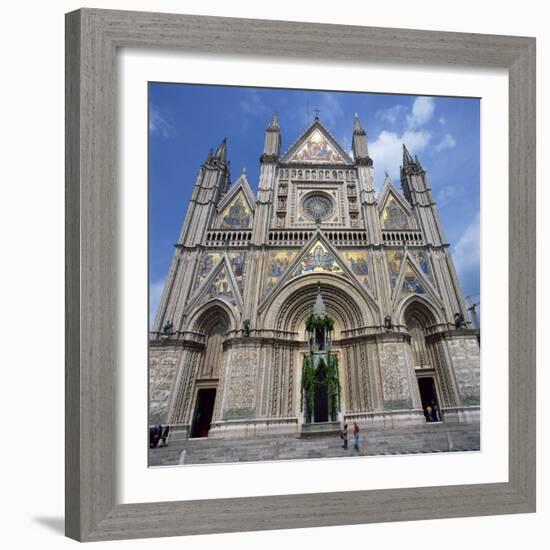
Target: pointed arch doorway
x,y
419,320
214,325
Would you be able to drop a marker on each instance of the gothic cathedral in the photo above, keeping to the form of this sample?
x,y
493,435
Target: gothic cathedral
x,y
233,331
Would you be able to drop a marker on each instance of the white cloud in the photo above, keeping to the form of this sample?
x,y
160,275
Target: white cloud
x,y
442,120
387,151
446,195
155,293
391,114
421,113
160,125
448,142
466,253
252,103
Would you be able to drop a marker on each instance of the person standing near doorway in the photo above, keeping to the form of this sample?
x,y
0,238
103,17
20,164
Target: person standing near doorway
x,y
344,436
356,436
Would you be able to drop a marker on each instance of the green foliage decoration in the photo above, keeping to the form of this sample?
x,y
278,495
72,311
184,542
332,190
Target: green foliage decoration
x,y
310,382
318,322
333,385
308,385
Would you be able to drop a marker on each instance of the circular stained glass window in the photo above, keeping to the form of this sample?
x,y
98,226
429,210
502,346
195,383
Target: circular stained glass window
x,y
318,206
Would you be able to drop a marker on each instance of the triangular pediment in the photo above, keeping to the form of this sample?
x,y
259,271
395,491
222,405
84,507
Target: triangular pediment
x,y
317,256
220,283
237,206
395,213
412,281
316,146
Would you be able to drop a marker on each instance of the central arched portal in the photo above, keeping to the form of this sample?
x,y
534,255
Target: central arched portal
x,y
318,349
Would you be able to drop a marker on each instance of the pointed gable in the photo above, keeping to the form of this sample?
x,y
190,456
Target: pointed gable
x,y
210,261
221,286
237,206
394,215
395,212
221,282
316,145
318,258
411,283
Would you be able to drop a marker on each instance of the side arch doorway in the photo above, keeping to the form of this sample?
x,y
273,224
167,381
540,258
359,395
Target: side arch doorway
x,y
213,324
420,320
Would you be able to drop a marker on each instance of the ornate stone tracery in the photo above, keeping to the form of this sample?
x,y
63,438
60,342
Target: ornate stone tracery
x,y
318,206
314,228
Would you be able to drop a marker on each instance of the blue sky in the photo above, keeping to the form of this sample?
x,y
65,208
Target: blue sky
x,y
185,121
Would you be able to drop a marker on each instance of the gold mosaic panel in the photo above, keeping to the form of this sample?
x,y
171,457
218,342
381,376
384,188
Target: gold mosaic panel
x,y
237,214
393,216
357,261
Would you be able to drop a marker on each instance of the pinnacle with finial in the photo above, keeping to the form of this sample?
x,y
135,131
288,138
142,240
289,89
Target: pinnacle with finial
x,y
357,123
319,306
274,124
221,153
407,159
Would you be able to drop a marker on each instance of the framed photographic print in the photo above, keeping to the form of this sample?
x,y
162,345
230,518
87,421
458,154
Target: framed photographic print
x,y
275,282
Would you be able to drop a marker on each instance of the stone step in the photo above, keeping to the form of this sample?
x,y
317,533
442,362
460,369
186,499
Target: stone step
x,y
410,440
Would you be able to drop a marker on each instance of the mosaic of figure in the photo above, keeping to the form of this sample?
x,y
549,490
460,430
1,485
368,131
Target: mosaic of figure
x,y
393,216
358,263
237,259
421,259
318,259
277,264
236,215
317,149
221,287
207,263
411,284
394,258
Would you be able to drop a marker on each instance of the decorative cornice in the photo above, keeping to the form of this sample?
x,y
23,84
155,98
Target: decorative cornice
x,y
266,158
363,161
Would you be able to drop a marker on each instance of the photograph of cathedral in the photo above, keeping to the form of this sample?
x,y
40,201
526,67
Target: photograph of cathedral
x,y
314,296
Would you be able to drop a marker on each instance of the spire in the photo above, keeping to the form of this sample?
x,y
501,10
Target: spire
x,y
387,178
357,128
417,162
359,143
319,307
221,153
274,124
272,144
407,159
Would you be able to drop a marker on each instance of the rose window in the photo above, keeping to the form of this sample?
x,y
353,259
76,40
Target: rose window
x,y
318,206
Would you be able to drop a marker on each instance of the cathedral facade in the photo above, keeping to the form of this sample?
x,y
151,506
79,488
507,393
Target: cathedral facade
x,y
227,348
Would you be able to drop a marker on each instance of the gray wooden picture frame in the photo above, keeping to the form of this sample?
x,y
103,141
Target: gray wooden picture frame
x,y
92,39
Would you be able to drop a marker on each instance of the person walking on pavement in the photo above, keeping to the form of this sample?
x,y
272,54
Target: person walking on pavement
x,y
356,436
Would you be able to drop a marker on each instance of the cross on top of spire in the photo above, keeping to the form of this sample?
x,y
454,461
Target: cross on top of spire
x,y
316,111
